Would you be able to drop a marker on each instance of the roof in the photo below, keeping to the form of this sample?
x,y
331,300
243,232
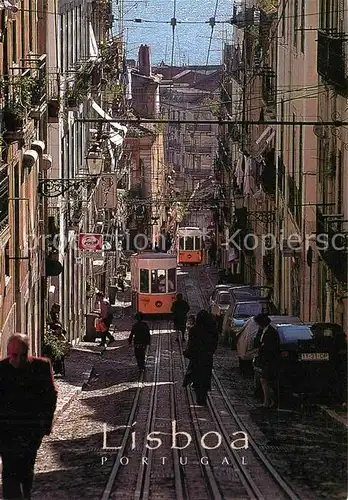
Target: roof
x,y
168,72
209,81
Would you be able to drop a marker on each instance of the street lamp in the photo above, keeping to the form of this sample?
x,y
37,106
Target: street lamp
x,y
51,188
95,161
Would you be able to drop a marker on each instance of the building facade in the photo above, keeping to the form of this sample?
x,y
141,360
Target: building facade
x,y
23,105
285,183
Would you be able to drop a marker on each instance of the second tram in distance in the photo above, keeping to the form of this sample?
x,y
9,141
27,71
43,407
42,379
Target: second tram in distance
x,y
189,245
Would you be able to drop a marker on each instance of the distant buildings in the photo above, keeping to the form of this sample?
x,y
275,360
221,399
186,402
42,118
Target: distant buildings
x,y
190,93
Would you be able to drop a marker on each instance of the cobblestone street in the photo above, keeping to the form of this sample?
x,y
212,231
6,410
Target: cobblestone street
x,y
307,448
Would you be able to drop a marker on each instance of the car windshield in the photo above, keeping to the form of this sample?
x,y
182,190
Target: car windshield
x,y
292,333
246,310
224,298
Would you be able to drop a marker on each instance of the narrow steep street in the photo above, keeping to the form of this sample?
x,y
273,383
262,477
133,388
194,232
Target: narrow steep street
x,y
117,409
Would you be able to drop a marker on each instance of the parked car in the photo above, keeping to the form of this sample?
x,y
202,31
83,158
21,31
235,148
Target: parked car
x,y
220,301
307,362
238,314
250,292
243,294
245,337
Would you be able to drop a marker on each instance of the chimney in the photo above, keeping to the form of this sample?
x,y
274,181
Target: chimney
x,y
144,63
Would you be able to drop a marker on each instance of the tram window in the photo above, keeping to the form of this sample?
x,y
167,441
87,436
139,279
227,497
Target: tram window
x,y
181,243
144,281
171,280
197,242
158,281
189,243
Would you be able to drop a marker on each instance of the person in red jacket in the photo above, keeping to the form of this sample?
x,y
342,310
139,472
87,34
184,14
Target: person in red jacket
x,y
28,399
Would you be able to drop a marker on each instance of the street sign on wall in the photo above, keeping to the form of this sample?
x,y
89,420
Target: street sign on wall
x,y
91,242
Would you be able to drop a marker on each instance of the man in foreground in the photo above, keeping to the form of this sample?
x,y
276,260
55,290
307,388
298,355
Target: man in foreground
x,y
28,400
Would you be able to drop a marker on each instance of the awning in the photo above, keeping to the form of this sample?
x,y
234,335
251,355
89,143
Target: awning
x,y
93,46
113,124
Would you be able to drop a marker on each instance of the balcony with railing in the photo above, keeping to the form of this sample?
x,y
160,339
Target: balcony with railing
x,y
24,93
39,88
333,243
331,62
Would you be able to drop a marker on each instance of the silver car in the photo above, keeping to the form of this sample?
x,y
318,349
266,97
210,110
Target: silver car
x,y
245,337
238,314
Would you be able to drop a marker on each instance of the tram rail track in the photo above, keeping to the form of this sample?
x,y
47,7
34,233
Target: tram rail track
x,y
206,471
142,490
252,487
143,480
179,480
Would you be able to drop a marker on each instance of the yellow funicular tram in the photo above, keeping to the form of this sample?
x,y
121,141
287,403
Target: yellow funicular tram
x,y
153,280
189,245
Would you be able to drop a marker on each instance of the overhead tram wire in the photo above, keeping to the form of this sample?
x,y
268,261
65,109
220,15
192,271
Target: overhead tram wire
x,y
138,121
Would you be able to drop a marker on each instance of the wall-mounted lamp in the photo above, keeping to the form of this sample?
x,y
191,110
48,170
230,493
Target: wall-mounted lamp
x,y
51,188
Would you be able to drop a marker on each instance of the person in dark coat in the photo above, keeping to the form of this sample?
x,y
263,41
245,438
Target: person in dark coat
x,y
202,344
141,334
188,378
267,341
28,400
212,253
180,308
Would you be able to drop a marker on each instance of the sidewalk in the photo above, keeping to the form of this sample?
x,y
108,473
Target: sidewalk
x,y
79,364
78,368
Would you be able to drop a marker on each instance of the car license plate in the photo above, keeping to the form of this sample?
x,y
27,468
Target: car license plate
x,y
314,356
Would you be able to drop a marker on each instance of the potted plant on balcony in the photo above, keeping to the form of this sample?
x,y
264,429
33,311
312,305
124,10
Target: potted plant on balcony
x,y
72,98
14,114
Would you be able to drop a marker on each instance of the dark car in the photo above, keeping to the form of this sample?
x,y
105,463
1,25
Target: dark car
x,y
306,362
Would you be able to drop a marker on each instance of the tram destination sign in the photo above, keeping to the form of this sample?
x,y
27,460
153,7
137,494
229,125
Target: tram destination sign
x,y
91,242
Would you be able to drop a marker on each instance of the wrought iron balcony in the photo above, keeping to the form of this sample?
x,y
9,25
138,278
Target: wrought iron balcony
x,y
39,92
331,64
